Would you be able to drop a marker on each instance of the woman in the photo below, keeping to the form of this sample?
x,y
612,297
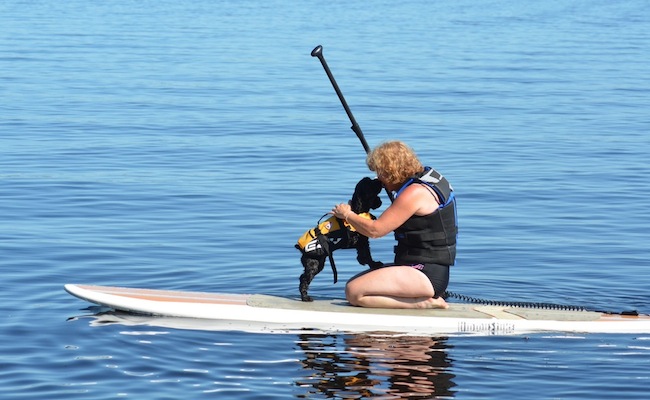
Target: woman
x,y
423,217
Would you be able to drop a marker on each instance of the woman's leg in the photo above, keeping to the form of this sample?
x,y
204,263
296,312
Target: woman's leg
x,y
392,287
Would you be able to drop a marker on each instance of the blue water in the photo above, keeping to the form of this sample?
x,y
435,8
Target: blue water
x,y
187,145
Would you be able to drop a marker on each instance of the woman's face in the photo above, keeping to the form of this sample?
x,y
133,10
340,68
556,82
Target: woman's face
x,y
382,178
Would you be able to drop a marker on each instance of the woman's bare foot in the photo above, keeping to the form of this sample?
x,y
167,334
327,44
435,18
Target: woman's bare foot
x,y
435,303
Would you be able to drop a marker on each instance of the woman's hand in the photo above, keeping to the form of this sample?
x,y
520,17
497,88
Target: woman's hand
x,y
341,210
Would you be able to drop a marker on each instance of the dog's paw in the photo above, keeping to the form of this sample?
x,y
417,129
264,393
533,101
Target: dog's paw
x,y
375,264
306,298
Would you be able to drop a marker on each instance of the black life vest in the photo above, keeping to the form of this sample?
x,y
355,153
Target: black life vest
x,y
429,238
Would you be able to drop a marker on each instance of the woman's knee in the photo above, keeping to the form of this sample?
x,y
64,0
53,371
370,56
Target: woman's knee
x,y
351,294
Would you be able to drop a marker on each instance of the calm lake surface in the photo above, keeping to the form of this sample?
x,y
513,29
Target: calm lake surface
x,y
188,144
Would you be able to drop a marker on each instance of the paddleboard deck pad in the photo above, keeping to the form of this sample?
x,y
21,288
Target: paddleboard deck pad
x,y
259,313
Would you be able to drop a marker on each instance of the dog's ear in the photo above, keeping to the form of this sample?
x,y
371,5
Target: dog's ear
x,y
362,196
376,203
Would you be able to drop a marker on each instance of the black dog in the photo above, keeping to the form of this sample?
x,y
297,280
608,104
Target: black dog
x,y
333,234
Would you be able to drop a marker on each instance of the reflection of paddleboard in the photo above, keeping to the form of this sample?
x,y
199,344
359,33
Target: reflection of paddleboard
x,y
257,312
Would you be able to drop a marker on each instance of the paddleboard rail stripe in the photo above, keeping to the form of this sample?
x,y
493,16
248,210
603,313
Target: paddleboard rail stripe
x,y
167,295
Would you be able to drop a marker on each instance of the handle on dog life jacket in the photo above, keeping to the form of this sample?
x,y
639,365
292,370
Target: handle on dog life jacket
x,y
318,52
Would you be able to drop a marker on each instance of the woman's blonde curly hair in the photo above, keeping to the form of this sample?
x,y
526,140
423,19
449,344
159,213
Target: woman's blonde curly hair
x,y
395,161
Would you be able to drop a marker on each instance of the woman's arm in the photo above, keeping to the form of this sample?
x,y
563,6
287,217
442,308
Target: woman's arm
x,y
414,199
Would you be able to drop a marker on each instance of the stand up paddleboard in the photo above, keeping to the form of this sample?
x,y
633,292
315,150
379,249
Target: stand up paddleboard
x,y
259,313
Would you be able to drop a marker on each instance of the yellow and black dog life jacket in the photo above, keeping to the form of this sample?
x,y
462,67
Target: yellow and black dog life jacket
x,y
328,236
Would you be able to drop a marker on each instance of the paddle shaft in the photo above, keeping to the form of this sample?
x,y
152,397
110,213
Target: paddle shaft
x,y
318,52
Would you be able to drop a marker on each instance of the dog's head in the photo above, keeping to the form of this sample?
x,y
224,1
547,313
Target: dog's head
x,y
366,195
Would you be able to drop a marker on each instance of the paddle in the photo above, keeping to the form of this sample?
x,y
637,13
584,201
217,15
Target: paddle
x,y
318,52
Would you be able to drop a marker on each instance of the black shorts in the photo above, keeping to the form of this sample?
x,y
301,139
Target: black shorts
x,y
438,276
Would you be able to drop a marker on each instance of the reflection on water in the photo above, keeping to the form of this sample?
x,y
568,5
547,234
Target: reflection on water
x,y
375,366
344,366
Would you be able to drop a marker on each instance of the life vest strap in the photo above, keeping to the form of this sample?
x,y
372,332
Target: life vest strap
x,y
325,245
